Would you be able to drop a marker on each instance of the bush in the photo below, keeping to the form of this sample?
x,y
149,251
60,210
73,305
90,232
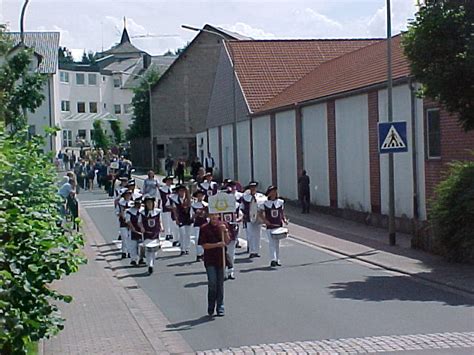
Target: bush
x,y
453,213
34,249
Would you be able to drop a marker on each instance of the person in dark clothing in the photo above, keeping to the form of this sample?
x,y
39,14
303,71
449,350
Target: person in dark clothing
x,y
179,171
209,163
72,161
195,166
304,192
213,237
169,163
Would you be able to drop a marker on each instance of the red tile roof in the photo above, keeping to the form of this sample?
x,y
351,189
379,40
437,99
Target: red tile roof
x,y
266,67
358,69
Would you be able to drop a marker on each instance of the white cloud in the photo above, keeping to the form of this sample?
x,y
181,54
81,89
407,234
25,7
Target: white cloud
x,y
249,31
402,11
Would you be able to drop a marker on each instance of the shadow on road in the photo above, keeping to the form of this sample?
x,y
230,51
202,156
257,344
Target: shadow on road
x,y
387,288
190,273
196,284
184,263
188,324
263,268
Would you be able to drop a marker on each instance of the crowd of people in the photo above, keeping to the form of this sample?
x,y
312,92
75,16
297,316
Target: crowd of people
x,y
179,214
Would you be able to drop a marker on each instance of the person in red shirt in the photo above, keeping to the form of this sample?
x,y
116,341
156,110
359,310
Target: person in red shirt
x,y
213,237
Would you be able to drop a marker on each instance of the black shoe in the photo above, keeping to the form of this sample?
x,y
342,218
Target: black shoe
x,y
182,253
252,255
273,263
210,313
133,263
119,237
128,255
141,262
150,270
124,255
169,237
220,313
257,255
186,252
231,276
176,244
278,263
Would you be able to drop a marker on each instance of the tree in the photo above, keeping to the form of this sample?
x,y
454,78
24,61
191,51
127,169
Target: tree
x,y
88,58
117,131
440,46
140,127
65,56
99,137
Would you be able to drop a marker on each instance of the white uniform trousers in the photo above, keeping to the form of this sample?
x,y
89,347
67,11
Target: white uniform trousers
x,y
199,248
125,235
185,237
134,250
274,246
149,255
253,237
231,254
168,223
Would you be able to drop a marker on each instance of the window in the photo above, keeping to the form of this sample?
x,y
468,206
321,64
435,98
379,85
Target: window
x,y
81,134
434,133
127,108
81,107
67,138
65,106
93,107
64,77
105,105
92,78
117,109
103,78
80,79
117,82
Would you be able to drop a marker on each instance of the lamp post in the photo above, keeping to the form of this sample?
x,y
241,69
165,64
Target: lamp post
x,y
150,109
234,110
391,177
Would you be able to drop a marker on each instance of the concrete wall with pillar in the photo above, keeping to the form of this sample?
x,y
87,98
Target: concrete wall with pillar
x,y
352,153
315,151
403,165
227,152
244,154
261,151
286,154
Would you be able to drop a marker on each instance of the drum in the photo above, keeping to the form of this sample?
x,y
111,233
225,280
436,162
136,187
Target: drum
x,y
280,233
152,246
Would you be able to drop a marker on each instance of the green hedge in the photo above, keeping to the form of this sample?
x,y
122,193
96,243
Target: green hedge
x,y
452,212
34,249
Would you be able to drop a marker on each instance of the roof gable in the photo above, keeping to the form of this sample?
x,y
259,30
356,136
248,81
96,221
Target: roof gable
x,y
361,68
46,44
266,67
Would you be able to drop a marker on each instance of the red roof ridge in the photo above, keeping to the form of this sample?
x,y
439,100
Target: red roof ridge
x,y
307,40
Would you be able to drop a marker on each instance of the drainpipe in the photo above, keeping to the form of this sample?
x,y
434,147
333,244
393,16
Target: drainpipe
x,y
50,104
416,213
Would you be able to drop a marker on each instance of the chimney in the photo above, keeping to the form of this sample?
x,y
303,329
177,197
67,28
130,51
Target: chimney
x,y
146,61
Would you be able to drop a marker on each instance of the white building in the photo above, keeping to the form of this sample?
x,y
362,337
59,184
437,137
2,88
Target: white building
x,y
102,91
45,46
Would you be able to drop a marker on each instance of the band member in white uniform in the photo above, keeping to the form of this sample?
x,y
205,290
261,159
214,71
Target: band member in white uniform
x,y
208,186
249,206
274,215
151,226
122,206
133,189
199,211
133,219
233,235
117,194
181,205
165,192
229,183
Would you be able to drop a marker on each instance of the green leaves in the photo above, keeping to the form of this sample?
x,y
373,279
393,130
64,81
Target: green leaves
x,y
440,46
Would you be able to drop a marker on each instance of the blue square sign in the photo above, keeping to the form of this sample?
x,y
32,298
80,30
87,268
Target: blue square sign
x,y
393,137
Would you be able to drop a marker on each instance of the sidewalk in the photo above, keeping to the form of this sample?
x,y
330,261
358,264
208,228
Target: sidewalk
x,y
107,315
370,244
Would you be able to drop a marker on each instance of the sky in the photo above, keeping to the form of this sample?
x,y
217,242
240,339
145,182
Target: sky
x,y
97,24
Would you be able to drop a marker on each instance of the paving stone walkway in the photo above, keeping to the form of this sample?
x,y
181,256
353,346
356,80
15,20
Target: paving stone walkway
x,y
375,344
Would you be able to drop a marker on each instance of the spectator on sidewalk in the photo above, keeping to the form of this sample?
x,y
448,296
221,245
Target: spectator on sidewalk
x,y
195,166
151,185
209,163
169,163
304,192
179,171
213,237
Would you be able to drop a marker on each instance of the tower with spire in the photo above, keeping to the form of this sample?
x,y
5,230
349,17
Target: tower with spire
x,y
125,48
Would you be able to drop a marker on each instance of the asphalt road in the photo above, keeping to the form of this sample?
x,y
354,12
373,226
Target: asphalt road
x,y
314,295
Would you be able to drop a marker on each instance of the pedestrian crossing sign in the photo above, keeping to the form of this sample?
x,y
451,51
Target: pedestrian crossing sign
x,y
393,137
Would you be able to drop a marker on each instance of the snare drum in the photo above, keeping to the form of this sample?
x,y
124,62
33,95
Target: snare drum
x,y
153,246
280,233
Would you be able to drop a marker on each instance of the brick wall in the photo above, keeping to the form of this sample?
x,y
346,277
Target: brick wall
x,y
331,117
374,158
455,145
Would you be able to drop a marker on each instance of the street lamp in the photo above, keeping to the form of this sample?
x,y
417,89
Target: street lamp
x,y
150,108
234,110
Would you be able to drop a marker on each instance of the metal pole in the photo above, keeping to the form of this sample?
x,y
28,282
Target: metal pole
x,y
391,177
234,124
152,148
22,20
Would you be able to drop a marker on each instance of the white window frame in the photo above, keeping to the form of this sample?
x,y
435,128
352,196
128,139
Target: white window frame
x,y
89,75
66,103
96,107
119,111
83,81
119,80
67,138
63,75
432,157
77,106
